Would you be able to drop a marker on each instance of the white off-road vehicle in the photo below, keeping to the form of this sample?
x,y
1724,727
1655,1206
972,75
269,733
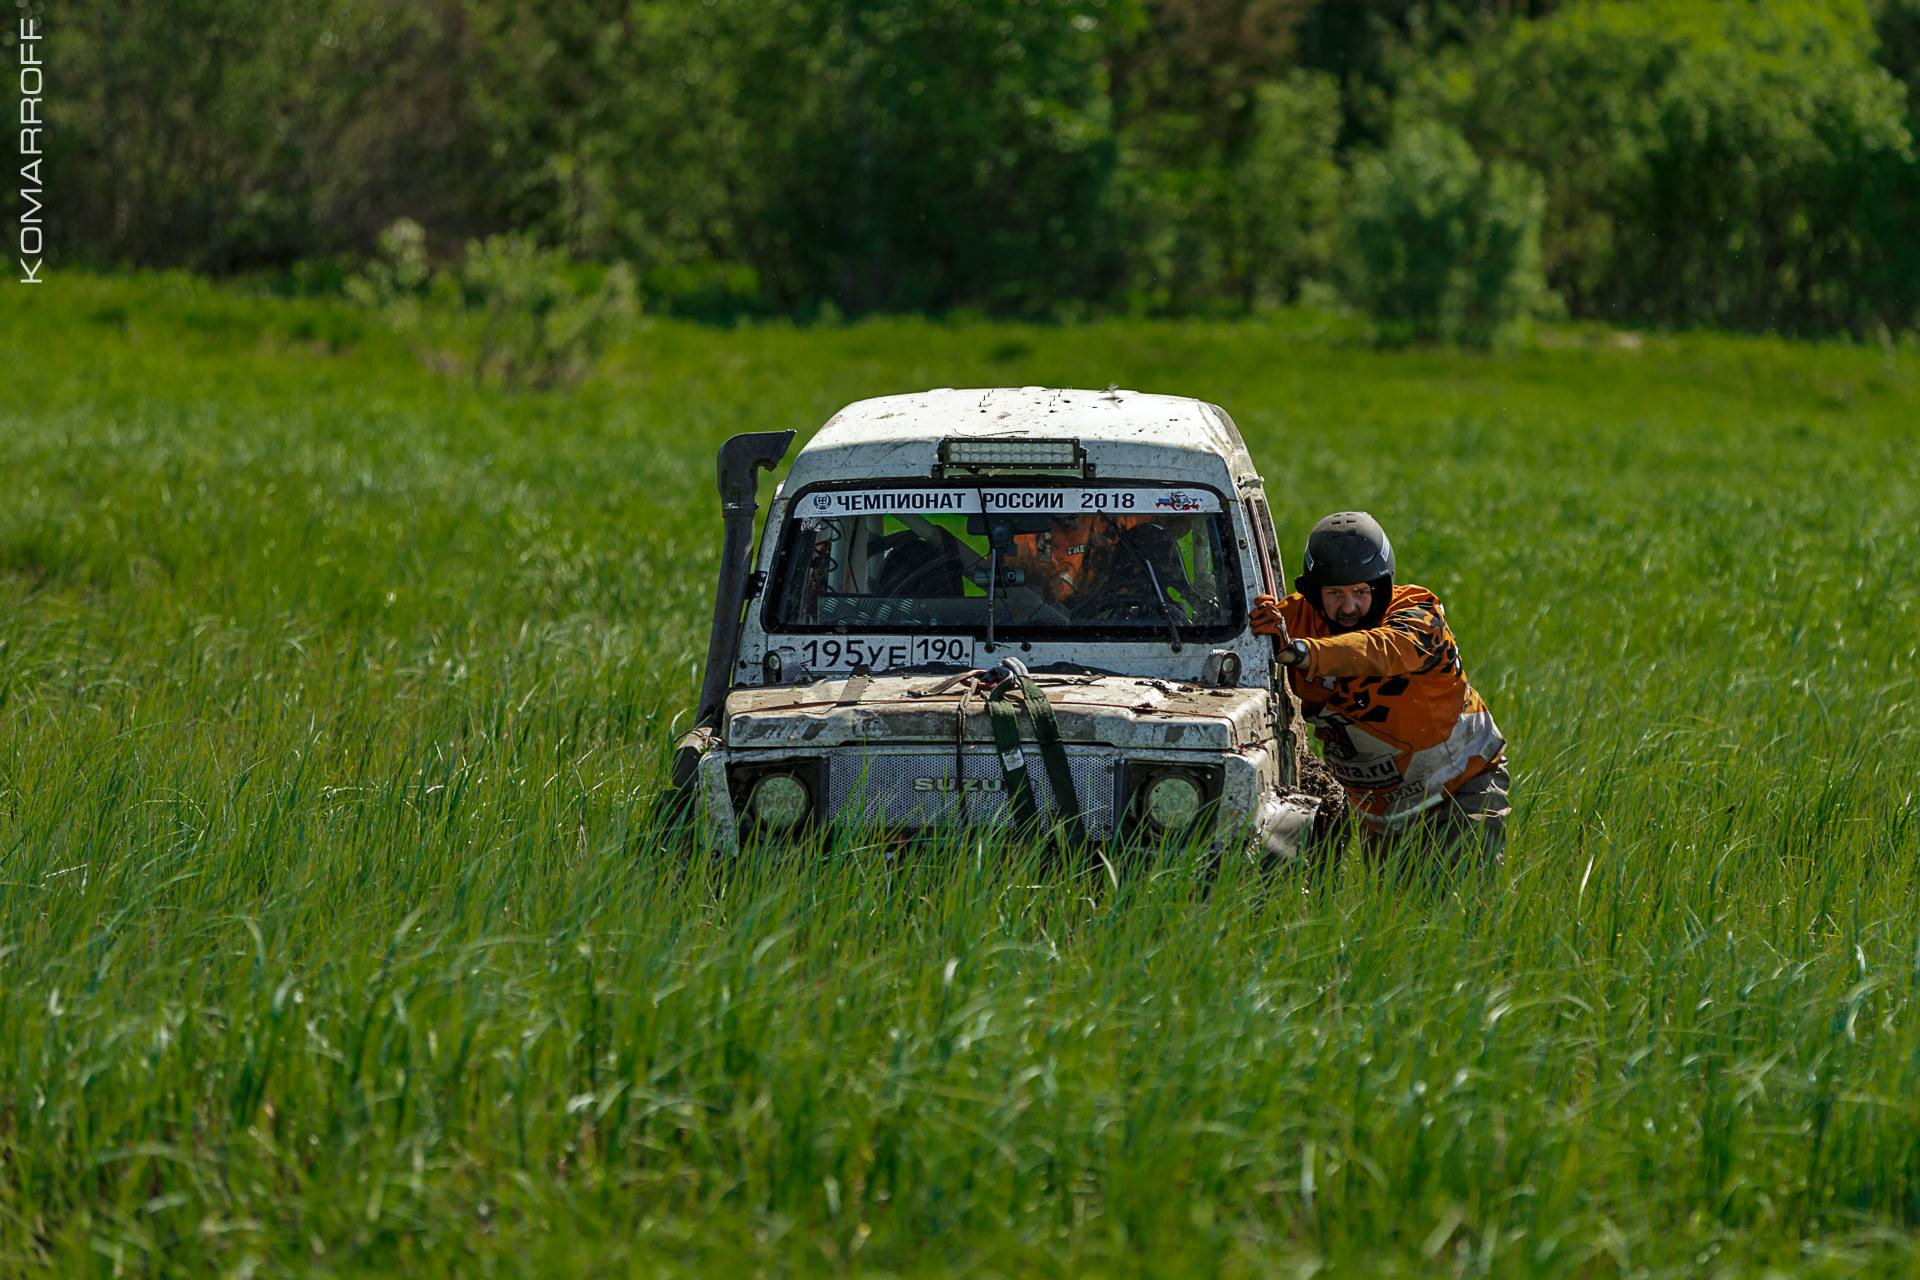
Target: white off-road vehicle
x,y
976,607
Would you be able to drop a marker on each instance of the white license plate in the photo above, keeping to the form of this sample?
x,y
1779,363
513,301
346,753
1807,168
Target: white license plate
x,y
882,653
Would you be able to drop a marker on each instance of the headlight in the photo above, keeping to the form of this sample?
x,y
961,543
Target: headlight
x,y
779,802
1173,802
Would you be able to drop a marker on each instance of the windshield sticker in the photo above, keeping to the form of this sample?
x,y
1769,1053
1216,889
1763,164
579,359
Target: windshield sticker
x,y
1025,500
1131,499
891,502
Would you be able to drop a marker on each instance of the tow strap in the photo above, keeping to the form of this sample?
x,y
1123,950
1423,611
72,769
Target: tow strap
x,y
1004,716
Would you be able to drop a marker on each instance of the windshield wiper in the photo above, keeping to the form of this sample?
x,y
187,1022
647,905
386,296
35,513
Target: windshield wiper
x,y
1166,604
1159,592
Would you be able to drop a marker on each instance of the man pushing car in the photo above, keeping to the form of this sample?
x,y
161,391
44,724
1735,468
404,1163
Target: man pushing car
x,y
1379,677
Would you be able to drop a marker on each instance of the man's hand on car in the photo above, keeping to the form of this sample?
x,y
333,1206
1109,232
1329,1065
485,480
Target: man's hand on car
x,y
1267,620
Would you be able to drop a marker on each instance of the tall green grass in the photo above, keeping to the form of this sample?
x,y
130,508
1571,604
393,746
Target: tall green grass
x,y
336,936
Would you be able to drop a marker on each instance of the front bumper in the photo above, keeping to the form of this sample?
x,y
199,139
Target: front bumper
x,y
910,788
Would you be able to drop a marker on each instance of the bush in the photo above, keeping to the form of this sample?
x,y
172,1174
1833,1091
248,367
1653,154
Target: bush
x,y
541,323
400,275
201,133
1743,165
1896,34
1437,245
1238,227
542,328
918,154
1289,189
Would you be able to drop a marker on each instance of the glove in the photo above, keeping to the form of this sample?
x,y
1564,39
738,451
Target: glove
x,y
1267,620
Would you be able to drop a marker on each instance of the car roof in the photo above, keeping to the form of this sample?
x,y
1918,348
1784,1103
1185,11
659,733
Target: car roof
x,y
1126,433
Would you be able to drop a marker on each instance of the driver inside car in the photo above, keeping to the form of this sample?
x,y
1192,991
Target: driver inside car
x,y
1053,558
1091,565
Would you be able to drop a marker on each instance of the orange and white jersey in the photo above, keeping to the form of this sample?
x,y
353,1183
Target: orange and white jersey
x,y
1070,559
1398,723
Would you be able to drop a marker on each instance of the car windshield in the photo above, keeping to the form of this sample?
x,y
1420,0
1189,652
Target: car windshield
x,y
1122,561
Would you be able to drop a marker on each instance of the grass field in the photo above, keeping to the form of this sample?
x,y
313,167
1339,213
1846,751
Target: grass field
x,y
334,936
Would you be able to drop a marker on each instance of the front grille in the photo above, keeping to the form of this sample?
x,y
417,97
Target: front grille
x,y
915,788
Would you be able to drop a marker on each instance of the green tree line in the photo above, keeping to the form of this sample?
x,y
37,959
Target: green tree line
x,y
1464,162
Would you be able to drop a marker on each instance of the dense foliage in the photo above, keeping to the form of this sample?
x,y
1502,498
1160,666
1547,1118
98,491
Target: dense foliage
x,y
335,940
1441,245
1705,161
1735,165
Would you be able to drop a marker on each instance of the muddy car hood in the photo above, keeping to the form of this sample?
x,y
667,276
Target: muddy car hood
x,y
1122,711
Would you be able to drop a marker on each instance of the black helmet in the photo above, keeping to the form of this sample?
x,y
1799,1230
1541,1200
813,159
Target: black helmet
x,y
1348,546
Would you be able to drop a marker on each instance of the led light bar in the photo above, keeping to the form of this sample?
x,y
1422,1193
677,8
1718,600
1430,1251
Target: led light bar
x,y
981,457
